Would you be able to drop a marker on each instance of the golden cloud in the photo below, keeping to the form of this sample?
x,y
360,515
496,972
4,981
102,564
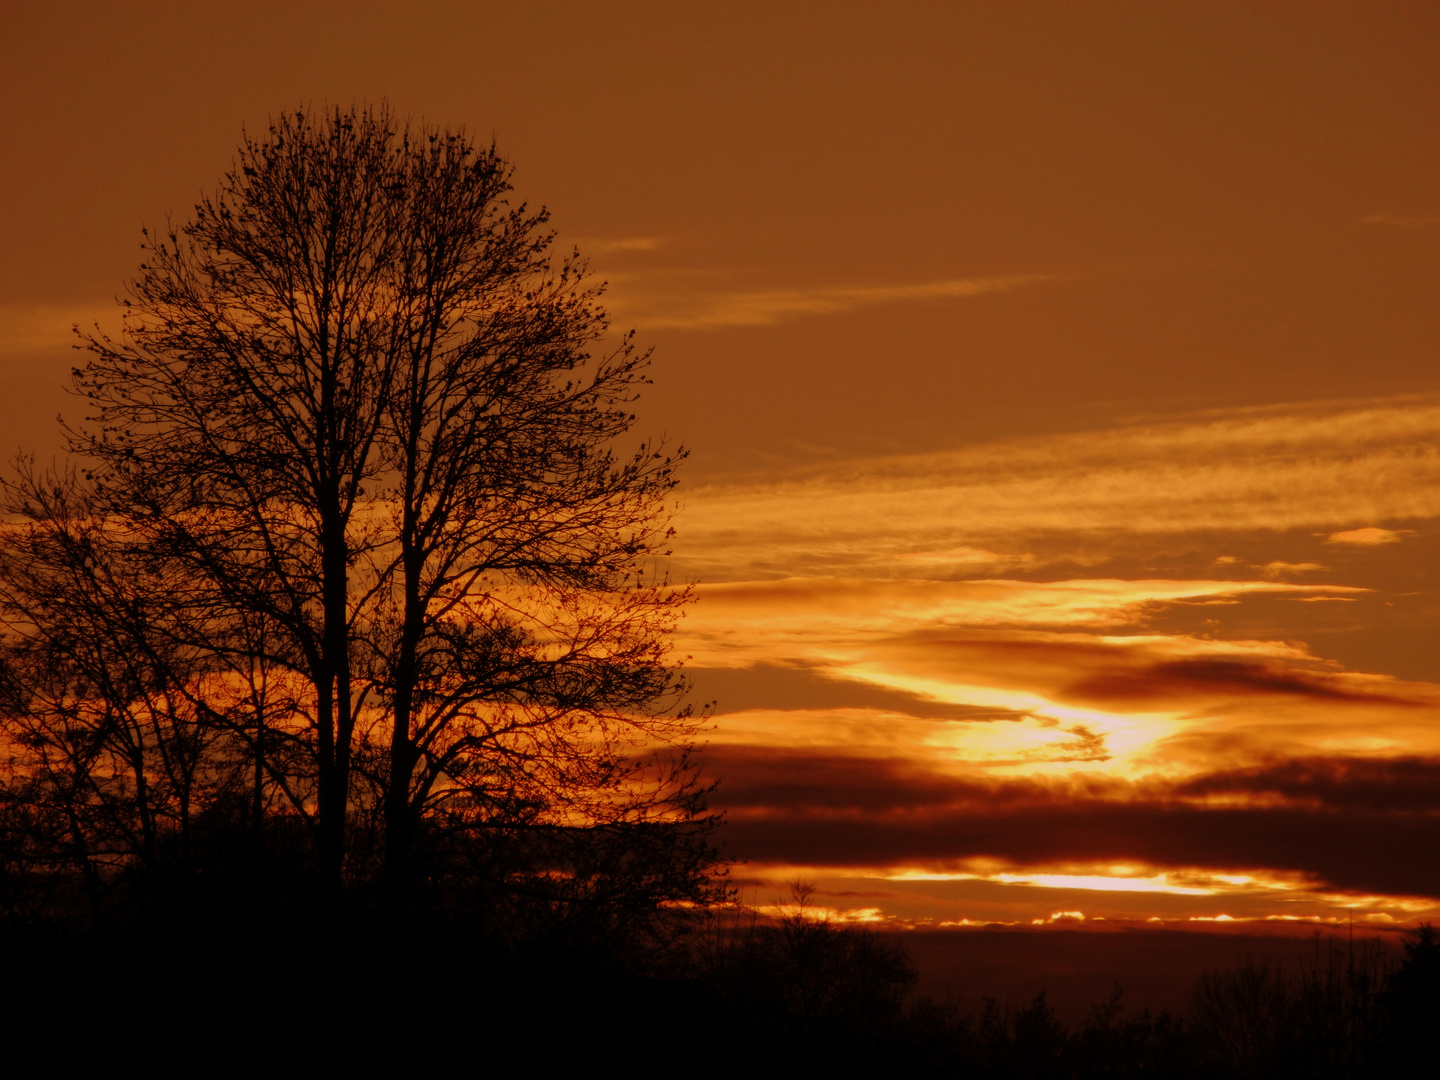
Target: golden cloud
x,y
1085,737
1070,665
983,892
1260,469
748,622
1367,537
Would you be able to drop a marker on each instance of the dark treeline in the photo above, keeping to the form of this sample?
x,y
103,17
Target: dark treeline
x,y
805,993
562,969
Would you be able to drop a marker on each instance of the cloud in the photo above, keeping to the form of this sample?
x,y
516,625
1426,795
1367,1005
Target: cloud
x,y
902,697
777,687
1158,703
596,245
1403,222
667,305
1029,741
28,326
768,781
1203,677
1408,785
1028,678
821,620
968,558
1322,829
1274,571
1368,536
1363,851
1334,467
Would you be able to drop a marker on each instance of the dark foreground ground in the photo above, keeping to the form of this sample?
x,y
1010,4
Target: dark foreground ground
x,y
739,999
1077,969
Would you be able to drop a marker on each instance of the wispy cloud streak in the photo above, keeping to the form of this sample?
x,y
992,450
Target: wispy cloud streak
x,y
1416,222
1343,467
655,303
26,326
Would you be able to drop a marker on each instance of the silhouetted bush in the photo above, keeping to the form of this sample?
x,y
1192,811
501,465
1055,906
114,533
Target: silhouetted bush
x,y
1323,1020
806,989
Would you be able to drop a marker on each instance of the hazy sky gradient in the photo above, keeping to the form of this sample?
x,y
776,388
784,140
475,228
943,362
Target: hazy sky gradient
x,y
1060,380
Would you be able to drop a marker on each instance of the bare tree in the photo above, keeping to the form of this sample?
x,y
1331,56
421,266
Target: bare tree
x,y
354,428
108,720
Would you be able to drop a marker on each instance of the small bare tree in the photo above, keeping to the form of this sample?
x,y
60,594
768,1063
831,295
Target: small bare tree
x,y
106,721
354,428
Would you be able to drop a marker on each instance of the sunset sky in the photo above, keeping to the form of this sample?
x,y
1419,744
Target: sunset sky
x,y
1059,378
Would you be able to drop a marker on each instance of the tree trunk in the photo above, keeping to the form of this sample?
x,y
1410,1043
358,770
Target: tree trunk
x,y
400,824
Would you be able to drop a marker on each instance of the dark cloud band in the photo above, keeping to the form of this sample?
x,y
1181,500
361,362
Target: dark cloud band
x,y
1364,826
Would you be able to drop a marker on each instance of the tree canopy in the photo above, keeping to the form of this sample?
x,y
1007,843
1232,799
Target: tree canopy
x,y
350,564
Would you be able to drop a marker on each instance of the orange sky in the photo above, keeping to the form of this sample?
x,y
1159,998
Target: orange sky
x,y
1060,381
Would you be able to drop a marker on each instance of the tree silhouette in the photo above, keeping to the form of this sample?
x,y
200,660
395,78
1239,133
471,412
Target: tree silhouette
x,y
352,546
1411,998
